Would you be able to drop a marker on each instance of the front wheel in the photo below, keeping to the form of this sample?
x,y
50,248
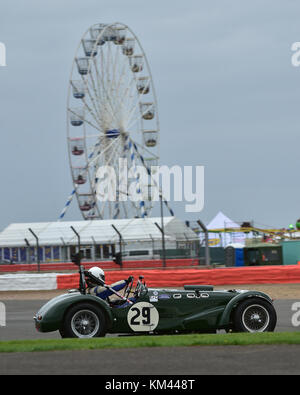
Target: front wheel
x,y
84,321
254,315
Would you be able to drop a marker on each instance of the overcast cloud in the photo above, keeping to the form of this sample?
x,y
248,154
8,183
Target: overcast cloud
x,y
228,99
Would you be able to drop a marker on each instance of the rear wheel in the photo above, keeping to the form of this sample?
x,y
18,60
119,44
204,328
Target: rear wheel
x,y
254,315
84,321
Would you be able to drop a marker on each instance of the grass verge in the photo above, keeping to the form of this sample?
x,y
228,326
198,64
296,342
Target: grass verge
x,y
244,339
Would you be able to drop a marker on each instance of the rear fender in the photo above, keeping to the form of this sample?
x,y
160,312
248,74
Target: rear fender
x,y
225,318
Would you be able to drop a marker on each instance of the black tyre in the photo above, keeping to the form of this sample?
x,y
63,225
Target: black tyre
x,y
254,315
62,334
84,321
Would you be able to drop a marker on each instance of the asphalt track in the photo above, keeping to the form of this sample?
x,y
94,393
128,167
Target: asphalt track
x,y
221,360
277,359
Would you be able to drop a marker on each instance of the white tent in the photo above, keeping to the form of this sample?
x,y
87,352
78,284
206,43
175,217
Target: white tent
x,y
99,239
223,239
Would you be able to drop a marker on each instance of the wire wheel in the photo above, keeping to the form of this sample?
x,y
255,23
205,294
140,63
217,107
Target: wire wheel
x,y
112,125
256,318
85,324
254,315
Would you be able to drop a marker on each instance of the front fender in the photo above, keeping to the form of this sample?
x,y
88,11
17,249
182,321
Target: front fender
x,y
225,318
51,315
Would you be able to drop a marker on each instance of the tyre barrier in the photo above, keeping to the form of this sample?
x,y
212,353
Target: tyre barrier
x,y
28,282
160,277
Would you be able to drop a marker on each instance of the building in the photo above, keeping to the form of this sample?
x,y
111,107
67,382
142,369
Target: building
x,y
99,240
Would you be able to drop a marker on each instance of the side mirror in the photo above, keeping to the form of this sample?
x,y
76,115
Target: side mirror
x,y
117,258
76,258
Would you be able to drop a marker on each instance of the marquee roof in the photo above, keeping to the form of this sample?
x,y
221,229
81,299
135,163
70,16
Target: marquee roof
x,y
98,231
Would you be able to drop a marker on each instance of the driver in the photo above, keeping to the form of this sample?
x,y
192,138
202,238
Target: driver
x,y
100,291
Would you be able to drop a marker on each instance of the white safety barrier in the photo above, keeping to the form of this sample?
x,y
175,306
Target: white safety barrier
x,y
28,282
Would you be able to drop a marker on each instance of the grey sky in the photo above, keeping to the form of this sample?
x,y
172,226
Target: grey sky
x,y
228,99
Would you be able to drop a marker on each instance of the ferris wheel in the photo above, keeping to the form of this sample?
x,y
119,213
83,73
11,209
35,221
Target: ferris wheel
x,y
112,122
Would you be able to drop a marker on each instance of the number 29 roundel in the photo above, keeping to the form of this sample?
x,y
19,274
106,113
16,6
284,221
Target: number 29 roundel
x,y
143,317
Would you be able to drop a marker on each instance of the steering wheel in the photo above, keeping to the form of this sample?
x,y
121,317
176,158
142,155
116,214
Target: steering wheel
x,y
128,288
138,288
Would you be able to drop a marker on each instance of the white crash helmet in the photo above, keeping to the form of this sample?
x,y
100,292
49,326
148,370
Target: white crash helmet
x,y
98,273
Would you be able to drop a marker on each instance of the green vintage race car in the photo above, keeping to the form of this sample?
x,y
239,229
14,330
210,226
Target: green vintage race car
x,y
194,309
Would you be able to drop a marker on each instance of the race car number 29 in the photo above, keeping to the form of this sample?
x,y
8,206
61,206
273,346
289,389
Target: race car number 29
x,y
143,317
